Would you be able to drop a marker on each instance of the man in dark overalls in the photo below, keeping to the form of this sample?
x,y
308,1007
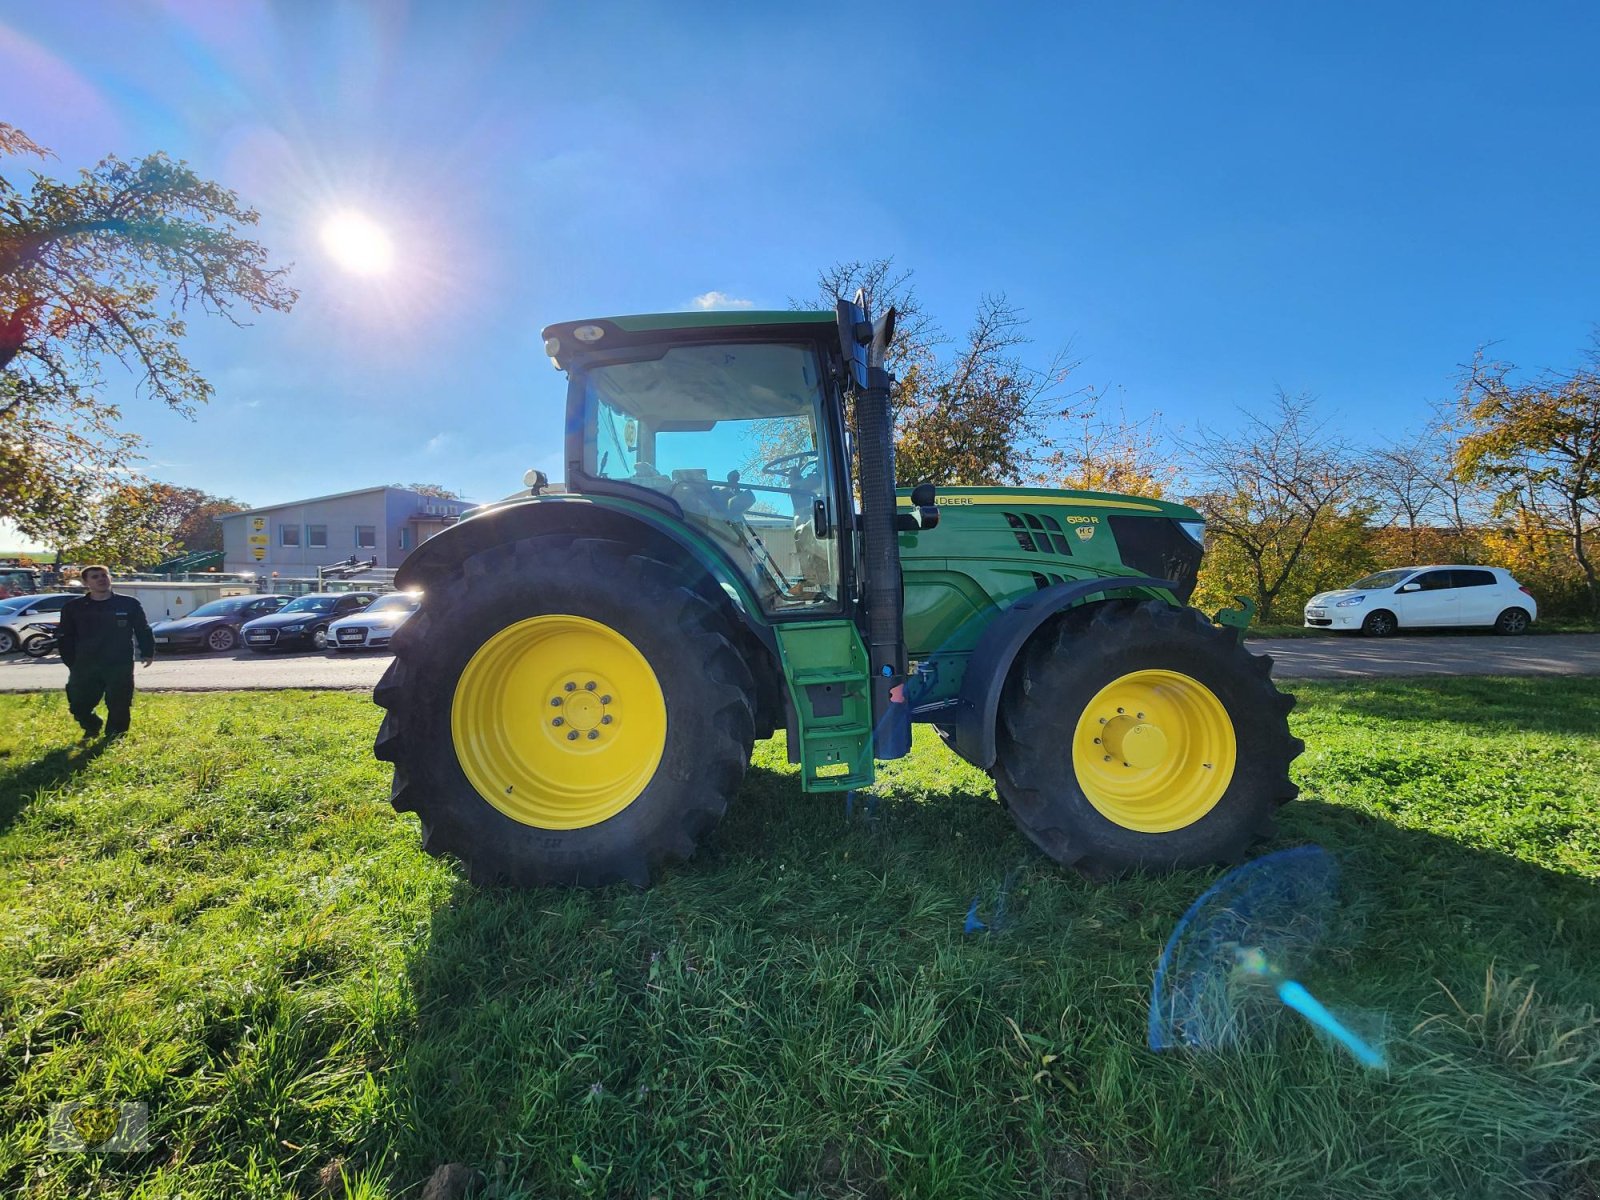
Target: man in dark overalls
x,y
97,633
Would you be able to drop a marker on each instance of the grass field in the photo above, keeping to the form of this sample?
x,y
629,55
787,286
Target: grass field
x,y
220,916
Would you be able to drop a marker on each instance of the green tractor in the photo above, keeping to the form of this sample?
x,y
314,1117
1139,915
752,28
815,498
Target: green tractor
x,y
576,701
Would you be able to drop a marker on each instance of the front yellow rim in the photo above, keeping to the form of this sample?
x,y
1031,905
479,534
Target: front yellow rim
x,y
559,722
1154,751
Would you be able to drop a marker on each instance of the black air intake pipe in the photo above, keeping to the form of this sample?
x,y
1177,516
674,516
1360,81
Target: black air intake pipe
x,y
884,593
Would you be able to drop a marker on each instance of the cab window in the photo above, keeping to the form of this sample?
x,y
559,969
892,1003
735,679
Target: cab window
x,y
734,434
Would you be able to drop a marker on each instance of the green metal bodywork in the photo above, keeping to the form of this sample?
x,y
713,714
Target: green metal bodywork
x,y
960,575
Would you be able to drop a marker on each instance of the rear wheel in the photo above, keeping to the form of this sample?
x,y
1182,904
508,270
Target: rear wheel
x,y
222,639
565,713
8,641
1379,624
1143,737
1512,622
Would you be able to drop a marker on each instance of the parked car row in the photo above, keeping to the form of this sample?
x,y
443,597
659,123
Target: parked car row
x,y
1426,597
319,621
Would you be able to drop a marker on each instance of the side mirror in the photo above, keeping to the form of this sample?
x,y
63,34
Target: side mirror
x,y
1410,587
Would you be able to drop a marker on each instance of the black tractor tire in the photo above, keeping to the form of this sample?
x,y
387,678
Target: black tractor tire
x,y
222,639
1512,622
1380,623
707,688
1066,665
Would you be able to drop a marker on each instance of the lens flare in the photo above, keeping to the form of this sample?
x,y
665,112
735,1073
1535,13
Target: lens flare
x,y
357,244
1225,973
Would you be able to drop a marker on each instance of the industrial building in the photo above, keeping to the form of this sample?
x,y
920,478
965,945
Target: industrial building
x,y
294,539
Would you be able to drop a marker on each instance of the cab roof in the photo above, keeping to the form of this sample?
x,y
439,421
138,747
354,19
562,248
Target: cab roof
x,y
716,319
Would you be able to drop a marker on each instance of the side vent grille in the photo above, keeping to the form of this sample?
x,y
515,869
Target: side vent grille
x,y
1041,535
1044,579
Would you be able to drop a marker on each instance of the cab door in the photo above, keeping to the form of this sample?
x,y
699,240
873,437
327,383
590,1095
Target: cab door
x,y
1429,599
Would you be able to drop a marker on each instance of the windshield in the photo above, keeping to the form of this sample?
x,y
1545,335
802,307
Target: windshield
x,y
314,604
219,608
15,602
1385,579
734,434
395,602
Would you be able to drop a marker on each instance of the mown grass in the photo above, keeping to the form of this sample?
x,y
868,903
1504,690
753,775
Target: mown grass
x,y
220,916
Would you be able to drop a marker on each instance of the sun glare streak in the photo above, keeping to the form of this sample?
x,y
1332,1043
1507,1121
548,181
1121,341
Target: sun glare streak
x,y
357,244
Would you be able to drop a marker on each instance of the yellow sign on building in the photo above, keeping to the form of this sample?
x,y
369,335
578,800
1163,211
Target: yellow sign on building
x,y
258,524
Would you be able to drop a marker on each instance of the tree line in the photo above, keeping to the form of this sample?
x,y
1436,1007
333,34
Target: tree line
x,y
104,270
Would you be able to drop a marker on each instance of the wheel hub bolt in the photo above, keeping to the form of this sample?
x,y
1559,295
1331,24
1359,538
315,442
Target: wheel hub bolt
x,y
557,721
606,720
555,701
572,736
605,699
569,687
593,733
589,687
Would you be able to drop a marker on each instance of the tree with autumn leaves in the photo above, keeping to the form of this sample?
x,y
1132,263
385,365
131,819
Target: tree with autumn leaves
x,y
1535,444
106,269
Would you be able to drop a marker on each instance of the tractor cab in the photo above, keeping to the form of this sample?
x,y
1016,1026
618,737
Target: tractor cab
x,y
736,439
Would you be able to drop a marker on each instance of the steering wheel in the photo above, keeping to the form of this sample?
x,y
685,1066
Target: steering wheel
x,y
799,477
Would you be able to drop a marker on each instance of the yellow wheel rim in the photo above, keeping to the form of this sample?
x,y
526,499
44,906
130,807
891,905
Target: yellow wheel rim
x,y
559,722
1154,751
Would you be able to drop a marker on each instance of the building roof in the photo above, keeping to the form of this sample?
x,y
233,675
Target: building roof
x,y
335,496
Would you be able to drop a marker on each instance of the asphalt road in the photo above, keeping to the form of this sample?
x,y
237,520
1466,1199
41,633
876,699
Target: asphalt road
x,y
1294,658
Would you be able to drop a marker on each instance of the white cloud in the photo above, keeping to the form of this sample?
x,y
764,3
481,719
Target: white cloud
x,y
438,442
712,300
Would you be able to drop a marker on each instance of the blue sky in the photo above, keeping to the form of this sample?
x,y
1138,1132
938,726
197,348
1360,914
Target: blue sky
x,y
1208,201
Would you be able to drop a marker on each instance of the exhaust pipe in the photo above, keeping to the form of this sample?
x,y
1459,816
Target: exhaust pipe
x,y
866,344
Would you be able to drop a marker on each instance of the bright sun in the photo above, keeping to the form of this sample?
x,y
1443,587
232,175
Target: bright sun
x,y
357,244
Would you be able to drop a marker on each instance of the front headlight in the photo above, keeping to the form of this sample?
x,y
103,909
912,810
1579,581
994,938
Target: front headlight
x,y
1196,531
293,628
1349,601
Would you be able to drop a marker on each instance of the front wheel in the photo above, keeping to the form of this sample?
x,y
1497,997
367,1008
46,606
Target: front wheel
x,y
1141,736
564,712
8,641
38,645
1380,624
319,639
222,639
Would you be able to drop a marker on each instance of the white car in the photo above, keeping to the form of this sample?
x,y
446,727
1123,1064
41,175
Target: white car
x,y
1426,597
17,613
375,624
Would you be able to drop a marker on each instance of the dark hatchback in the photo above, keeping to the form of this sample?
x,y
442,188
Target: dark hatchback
x,y
214,626
304,621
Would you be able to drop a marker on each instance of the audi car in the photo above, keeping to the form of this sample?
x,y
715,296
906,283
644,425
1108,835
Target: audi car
x,y
214,626
374,625
304,621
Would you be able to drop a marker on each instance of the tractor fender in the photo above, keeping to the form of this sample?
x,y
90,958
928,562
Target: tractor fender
x,y
582,516
972,732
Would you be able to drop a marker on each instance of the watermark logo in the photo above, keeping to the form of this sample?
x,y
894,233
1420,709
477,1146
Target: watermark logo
x,y
90,1126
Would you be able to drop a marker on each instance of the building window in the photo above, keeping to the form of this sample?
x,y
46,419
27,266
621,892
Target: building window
x,y
366,537
405,537
317,537
288,535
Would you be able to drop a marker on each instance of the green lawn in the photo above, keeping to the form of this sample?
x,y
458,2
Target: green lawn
x,y
221,917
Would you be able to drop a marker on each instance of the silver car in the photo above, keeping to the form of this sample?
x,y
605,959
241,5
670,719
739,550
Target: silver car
x,y
373,626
